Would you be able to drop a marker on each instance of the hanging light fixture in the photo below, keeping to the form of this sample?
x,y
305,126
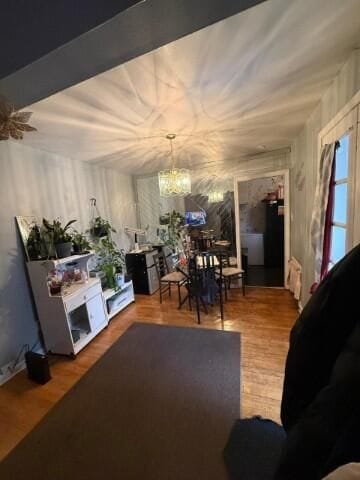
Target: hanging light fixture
x,y
215,193
215,196
175,182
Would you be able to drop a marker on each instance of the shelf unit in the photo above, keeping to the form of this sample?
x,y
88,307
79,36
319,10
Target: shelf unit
x,y
117,300
69,321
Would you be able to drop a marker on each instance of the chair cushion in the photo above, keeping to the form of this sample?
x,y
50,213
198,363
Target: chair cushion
x,y
173,277
253,449
230,271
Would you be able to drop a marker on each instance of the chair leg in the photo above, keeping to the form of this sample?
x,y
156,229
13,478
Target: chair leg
x,y
198,310
243,285
160,290
221,305
204,305
179,294
226,294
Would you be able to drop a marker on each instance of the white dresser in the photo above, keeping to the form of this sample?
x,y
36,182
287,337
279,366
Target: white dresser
x,y
69,320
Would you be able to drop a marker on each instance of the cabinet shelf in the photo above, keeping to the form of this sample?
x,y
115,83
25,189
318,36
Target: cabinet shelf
x,y
117,300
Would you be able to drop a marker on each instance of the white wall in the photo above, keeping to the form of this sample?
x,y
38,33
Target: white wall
x,y
304,161
252,210
37,183
150,205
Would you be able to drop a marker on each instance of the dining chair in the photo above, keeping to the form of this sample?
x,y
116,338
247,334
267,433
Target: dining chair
x,y
203,283
167,278
230,272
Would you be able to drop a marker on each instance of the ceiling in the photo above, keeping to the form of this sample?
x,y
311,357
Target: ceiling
x,y
243,85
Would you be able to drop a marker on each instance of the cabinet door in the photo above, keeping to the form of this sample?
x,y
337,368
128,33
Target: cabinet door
x,y
96,311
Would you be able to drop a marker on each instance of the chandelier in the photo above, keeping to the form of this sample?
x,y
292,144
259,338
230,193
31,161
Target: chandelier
x,y
175,182
215,196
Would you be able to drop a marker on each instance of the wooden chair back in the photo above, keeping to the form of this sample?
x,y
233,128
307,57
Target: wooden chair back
x,y
161,265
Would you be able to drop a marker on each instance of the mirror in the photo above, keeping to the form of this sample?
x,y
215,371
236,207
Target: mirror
x,y
25,226
209,210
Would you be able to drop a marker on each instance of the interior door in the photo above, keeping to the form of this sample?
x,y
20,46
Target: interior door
x,y
96,311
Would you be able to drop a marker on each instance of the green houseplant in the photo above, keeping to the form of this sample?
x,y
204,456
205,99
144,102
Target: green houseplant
x,y
80,242
59,237
110,260
101,228
36,245
175,222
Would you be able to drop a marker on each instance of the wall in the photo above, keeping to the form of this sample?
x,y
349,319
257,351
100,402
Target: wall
x,y
304,157
37,183
252,210
150,205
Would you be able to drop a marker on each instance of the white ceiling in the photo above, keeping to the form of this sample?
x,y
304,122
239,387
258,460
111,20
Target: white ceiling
x,y
248,81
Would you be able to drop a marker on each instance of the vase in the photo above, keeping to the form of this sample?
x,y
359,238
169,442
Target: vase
x,y
120,279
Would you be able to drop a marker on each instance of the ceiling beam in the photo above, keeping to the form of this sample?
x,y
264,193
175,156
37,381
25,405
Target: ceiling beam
x,y
141,28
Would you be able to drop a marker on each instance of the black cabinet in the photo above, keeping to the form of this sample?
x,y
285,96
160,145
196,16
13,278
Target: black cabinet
x,y
143,271
274,233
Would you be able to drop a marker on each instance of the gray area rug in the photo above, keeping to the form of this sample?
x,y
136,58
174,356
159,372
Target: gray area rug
x,y
159,405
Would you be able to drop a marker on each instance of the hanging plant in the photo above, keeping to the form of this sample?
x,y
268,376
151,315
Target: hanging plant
x,y
101,228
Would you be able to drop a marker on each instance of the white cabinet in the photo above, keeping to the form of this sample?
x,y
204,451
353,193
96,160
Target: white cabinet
x,y
96,312
69,320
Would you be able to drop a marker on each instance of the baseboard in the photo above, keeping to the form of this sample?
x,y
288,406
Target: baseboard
x,y
7,371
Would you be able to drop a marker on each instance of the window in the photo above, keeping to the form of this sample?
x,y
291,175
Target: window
x,y
340,217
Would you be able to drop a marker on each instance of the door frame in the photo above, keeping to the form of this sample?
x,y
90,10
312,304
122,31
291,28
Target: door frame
x,y
265,174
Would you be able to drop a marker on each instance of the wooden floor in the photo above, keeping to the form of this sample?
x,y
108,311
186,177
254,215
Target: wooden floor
x,y
264,318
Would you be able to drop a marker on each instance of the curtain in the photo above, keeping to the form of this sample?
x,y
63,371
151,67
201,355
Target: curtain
x,y
322,213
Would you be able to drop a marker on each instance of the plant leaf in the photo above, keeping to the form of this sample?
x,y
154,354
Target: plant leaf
x,y
68,224
22,117
24,127
16,134
47,225
4,134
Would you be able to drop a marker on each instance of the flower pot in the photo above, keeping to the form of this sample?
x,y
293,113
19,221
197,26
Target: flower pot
x,y
63,249
77,248
55,289
99,232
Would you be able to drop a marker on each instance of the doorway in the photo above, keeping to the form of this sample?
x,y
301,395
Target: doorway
x,y
262,228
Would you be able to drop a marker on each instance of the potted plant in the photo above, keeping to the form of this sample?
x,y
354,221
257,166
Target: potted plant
x,y
101,228
175,224
60,237
35,244
80,242
111,260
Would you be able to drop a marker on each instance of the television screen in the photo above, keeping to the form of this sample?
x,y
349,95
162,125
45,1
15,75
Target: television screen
x,y
195,218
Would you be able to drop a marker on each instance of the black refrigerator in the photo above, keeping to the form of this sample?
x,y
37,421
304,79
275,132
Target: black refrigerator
x,y
274,234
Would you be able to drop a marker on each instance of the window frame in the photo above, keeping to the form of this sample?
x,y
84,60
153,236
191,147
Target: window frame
x,y
341,181
346,123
